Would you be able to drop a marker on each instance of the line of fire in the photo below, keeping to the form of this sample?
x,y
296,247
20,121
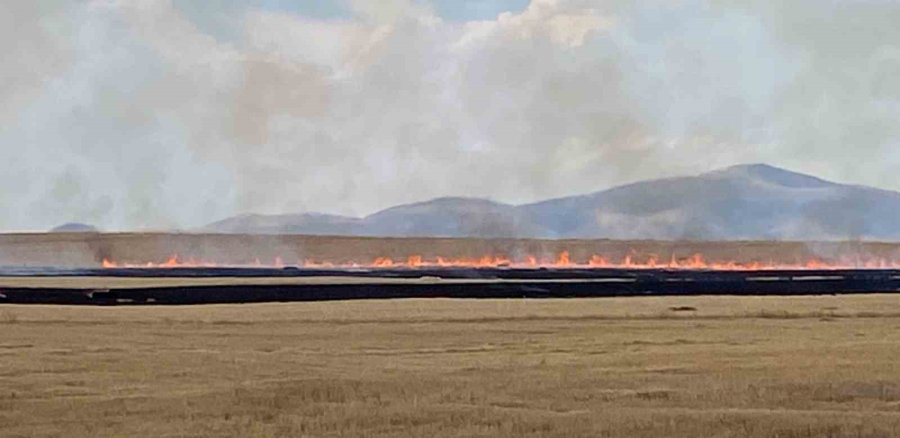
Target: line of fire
x,y
132,269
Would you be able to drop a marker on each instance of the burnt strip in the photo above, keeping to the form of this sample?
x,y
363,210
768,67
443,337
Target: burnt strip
x,y
447,283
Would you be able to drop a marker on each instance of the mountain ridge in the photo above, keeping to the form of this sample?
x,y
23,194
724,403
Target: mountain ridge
x,y
743,202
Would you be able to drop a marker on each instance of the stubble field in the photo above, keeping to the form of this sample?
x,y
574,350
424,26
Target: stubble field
x,y
644,367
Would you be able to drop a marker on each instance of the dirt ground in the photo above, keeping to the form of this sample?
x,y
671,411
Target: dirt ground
x,y
644,367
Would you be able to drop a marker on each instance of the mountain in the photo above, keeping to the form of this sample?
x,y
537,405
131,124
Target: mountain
x,y
746,202
742,202
451,217
74,227
305,223
444,217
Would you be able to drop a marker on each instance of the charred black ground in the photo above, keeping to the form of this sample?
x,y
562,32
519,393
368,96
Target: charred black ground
x,y
238,285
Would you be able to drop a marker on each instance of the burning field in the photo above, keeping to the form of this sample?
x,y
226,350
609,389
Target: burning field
x,y
87,250
204,268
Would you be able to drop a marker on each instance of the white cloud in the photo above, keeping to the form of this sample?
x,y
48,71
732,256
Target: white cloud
x,y
555,20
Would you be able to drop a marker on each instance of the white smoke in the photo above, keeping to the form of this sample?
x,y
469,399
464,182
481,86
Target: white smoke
x,y
132,114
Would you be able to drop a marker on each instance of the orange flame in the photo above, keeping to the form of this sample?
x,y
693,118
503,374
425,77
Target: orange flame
x,y
562,260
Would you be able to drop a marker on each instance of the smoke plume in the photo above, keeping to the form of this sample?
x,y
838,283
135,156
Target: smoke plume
x,y
151,114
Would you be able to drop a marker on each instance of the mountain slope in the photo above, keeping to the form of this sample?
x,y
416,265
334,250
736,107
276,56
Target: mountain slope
x,y
450,217
741,202
306,223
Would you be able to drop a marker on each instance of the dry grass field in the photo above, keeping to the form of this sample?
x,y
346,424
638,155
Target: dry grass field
x,y
643,367
90,249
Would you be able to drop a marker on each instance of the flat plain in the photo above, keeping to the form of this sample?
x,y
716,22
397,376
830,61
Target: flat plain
x,y
643,367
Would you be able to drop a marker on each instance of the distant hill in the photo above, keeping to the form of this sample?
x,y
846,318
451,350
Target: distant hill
x,y
451,217
74,227
304,223
738,203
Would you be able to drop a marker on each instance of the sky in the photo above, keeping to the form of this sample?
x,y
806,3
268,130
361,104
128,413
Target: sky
x,y
170,114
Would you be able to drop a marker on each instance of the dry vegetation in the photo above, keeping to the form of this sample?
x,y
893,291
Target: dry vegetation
x,y
89,249
645,367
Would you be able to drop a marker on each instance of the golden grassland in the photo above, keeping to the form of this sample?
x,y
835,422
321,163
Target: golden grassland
x,y
608,367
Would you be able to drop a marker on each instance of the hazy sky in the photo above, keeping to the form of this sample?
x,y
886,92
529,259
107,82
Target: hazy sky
x,y
174,113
